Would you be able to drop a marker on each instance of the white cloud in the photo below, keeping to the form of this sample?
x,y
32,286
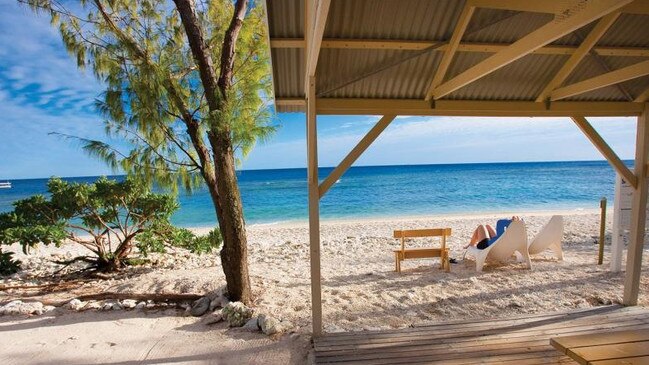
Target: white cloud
x,y
35,68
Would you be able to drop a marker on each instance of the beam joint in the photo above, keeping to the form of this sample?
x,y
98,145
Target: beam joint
x,y
449,53
602,26
575,15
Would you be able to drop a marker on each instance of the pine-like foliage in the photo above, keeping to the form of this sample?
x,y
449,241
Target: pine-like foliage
x,y
154,102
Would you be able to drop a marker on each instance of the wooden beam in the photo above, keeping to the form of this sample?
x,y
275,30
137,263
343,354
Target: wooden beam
x,y
640,7
549,6
319,21
314,210
355,153
545,6
579,54
410,45
574,17
597,82
449,53
605,150
308,34
290,102
642,97
621,51
398,44
287,43
638,213
336,106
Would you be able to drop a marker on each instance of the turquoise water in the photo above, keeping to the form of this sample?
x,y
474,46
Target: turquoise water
x,y
388,191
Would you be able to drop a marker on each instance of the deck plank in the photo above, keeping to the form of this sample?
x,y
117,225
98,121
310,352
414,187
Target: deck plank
x,y
621,324
612,351
568,329
564,343
520,340
641,360
511,325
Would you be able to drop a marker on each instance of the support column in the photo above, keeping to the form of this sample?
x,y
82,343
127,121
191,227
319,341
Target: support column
x,y
314,208
638,212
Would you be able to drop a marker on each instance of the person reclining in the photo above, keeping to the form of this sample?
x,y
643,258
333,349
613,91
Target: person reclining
x,y
484,235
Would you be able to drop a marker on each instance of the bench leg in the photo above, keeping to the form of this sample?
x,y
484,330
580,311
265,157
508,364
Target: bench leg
x,y
397,262
442,260
447,262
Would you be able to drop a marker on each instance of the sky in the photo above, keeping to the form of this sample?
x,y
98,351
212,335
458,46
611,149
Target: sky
x,y
42,91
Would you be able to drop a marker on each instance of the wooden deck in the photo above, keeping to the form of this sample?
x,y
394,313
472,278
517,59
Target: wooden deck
x,y
520,340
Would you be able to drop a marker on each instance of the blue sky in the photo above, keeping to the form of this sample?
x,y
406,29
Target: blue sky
x,y
42,91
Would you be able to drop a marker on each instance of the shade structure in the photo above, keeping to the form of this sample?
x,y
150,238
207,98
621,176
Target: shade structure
x,y
572,58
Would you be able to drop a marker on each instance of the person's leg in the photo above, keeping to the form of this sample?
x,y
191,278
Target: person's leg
x,y
490,231
480,233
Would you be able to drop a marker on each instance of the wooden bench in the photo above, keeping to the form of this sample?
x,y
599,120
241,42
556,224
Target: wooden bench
x,y
620,347
418,253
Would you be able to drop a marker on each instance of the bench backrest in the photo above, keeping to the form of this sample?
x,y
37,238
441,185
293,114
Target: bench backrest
x,y
414,233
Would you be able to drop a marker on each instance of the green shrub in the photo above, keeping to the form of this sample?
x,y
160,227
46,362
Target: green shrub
x,y
108,217
8,265
205,244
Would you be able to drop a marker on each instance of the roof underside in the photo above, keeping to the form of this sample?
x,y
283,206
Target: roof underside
x,y
352,72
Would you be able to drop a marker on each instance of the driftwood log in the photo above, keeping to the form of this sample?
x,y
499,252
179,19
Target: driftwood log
x,y
156,297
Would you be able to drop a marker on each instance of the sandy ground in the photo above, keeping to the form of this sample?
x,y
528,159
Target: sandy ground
x,y
360,292
139,337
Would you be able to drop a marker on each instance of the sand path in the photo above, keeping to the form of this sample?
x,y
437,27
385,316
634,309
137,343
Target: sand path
x,y
138,337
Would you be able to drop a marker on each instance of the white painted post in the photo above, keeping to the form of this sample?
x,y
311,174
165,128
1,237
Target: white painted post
x,y
617,244
638,213
314,208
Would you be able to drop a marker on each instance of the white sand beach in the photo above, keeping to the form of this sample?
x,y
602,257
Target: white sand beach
x,y
361,291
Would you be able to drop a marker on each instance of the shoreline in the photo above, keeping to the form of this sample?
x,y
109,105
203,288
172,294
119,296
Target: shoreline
x,y
301,223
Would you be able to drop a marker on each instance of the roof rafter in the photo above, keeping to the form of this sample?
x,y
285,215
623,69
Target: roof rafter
x,y
597,82
410,45
349,106
320,12
575,16
449,53
549,6
602,26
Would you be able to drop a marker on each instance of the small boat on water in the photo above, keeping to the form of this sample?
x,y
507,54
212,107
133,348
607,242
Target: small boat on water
x,y
5,185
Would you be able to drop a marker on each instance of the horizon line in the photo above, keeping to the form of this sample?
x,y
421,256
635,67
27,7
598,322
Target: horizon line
x,y
332,167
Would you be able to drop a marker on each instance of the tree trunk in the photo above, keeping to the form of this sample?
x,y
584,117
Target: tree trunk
x,y
224,190
234,254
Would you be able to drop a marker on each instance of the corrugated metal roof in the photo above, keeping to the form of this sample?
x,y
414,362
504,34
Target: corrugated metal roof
x,y
630,30
499,26
356,73
288,72
400,74
525,79
392,19
286,18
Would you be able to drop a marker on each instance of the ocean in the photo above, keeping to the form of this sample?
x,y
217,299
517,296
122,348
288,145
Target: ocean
x,y
280,195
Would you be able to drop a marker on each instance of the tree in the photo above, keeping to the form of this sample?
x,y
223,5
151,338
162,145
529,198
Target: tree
x,y
183,116
107,217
